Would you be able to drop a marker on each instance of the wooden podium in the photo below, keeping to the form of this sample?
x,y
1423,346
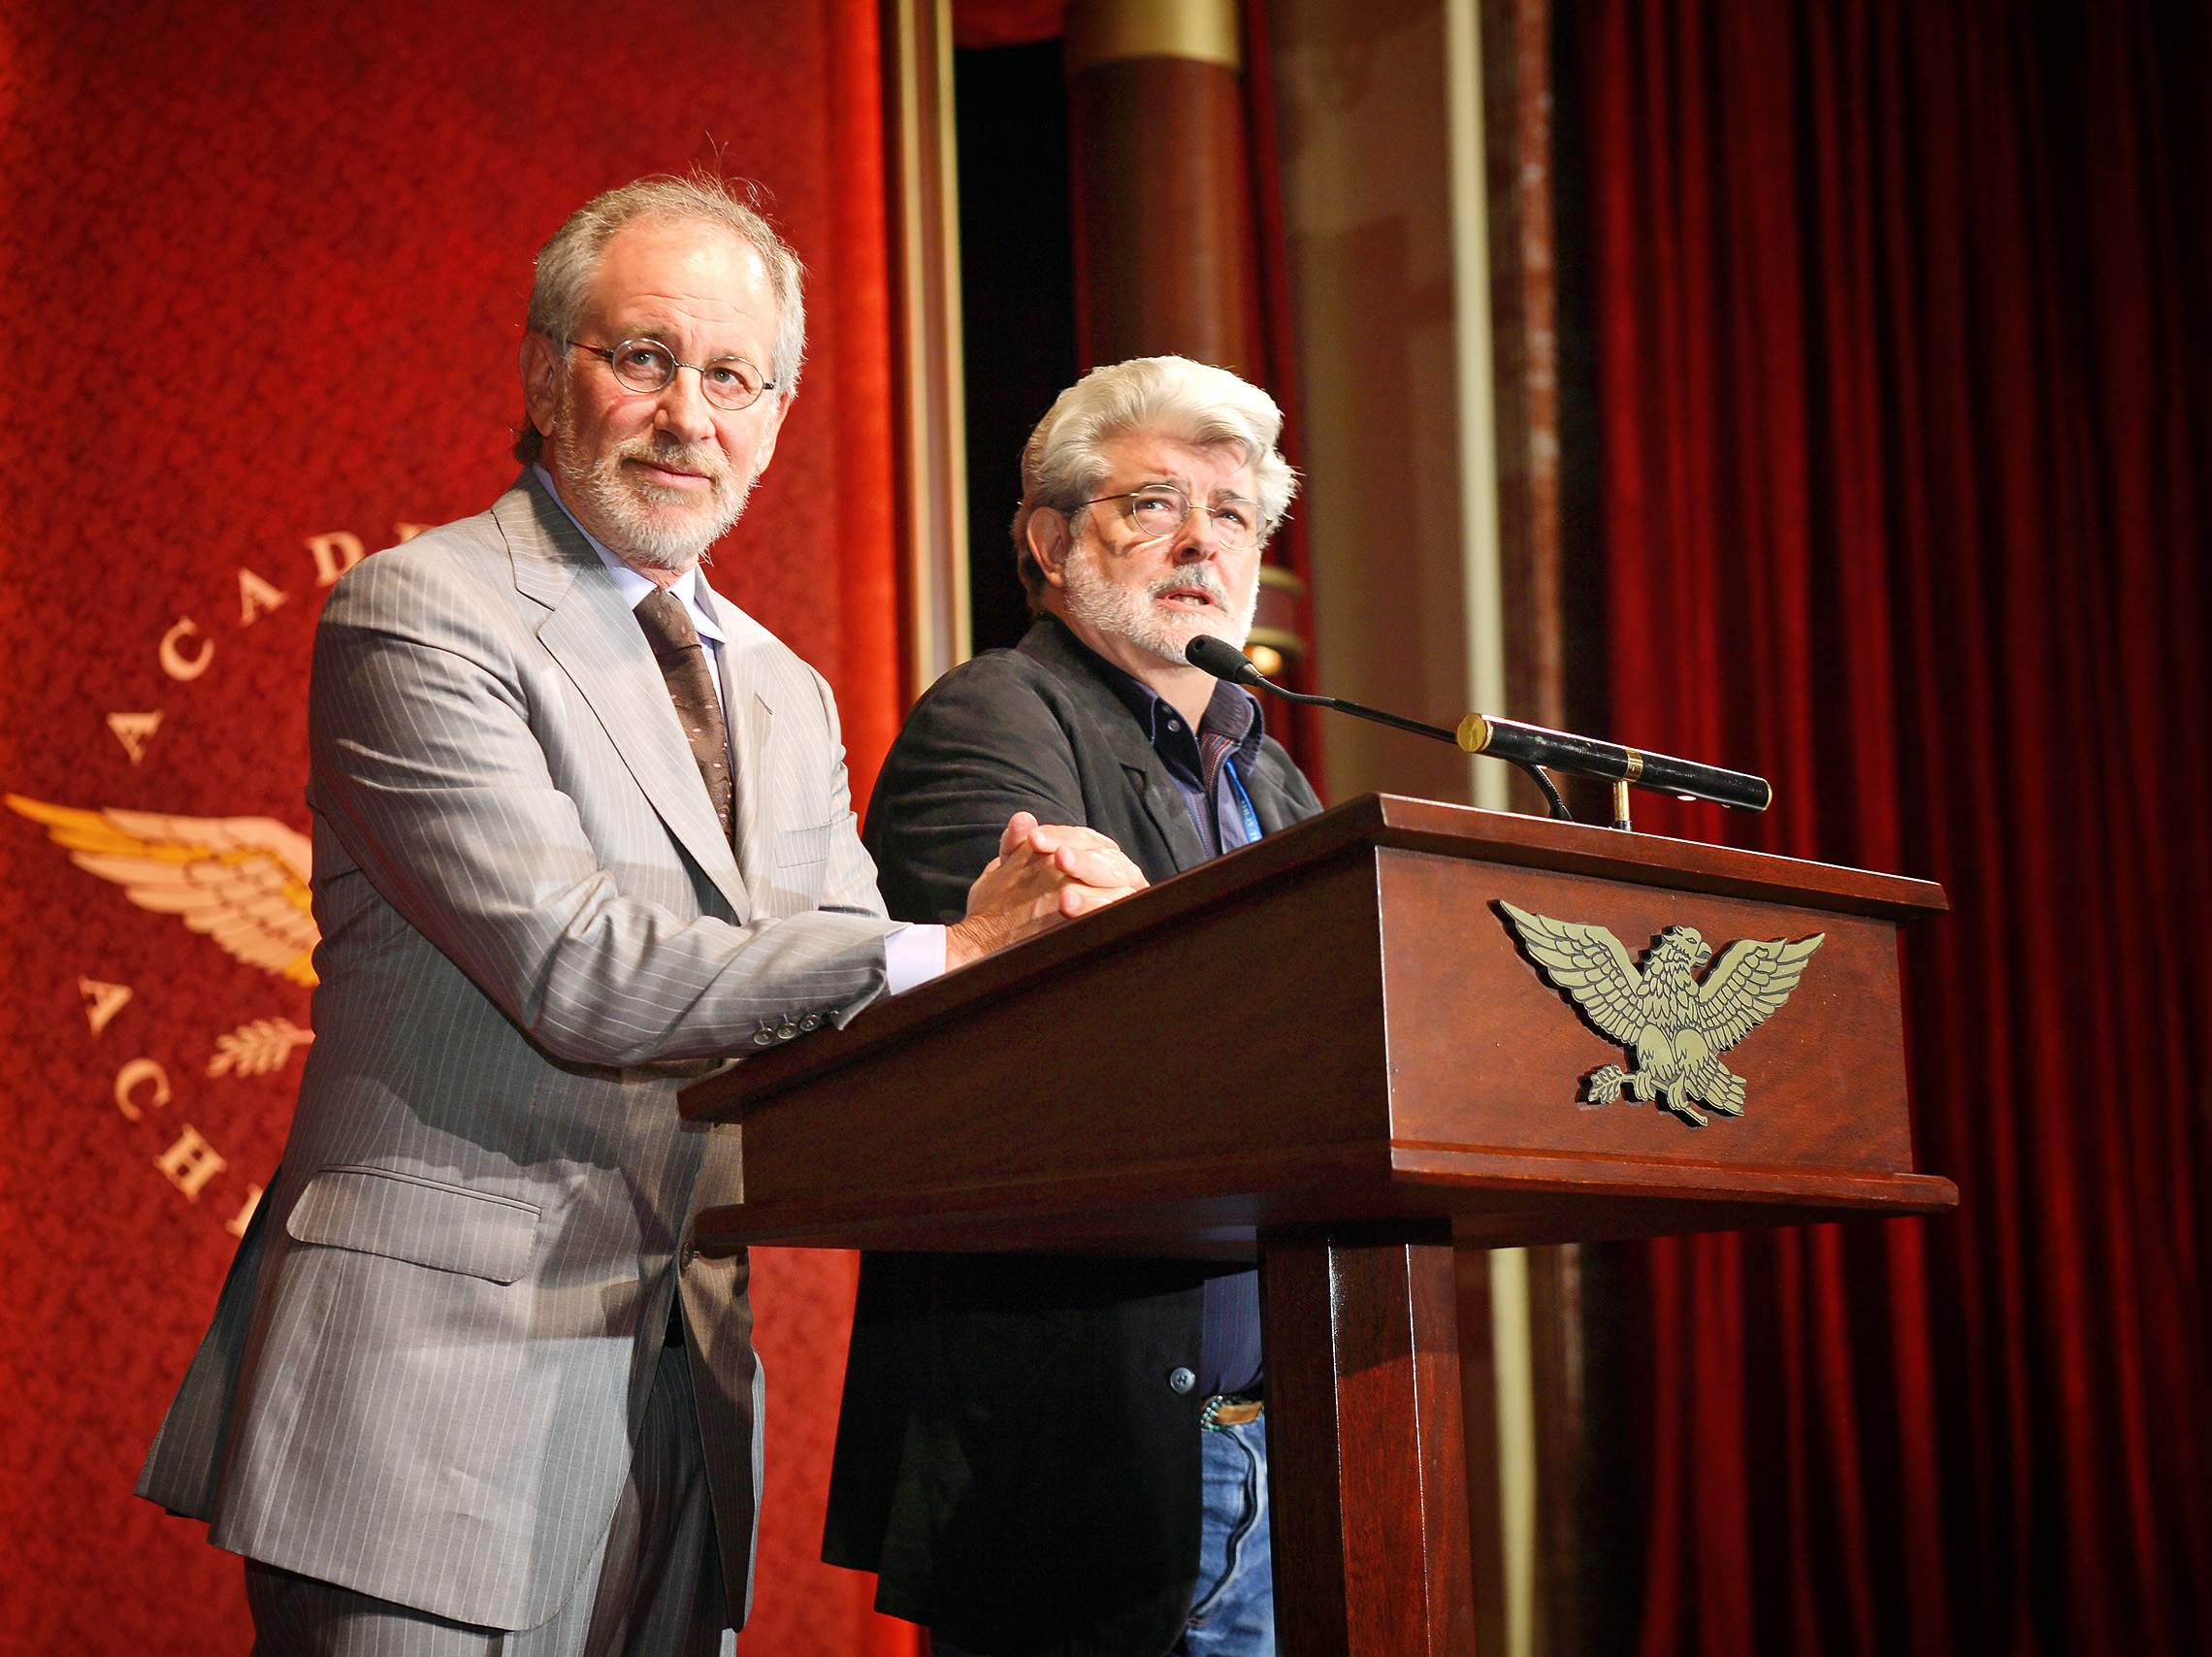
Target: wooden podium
x,y
1333,1051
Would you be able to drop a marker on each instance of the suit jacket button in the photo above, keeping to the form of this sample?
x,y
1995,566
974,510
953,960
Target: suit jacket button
x,y
812,1022
784,1032
762,1036
1180,1381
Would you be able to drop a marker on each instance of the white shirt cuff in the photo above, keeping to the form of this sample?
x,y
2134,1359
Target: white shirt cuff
x,y
912,954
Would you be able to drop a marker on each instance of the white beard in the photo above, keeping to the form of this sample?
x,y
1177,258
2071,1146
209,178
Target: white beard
x,y
647,523
1119,611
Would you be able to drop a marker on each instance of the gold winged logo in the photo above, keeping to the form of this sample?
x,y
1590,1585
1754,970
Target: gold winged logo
x,y
1675,1024
241,881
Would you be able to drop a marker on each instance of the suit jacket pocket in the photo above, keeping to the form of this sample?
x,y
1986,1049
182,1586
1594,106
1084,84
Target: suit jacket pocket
x,y
450,1228
802,854
795,847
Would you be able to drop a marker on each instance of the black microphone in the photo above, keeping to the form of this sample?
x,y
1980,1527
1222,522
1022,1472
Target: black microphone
x,y
1528,746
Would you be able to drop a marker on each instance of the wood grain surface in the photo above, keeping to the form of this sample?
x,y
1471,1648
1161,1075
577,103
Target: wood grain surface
x,y
1366,1467
1337,1024
1825,1075
1326,1051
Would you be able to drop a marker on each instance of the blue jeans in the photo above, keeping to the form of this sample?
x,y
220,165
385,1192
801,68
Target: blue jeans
x,y
1232,1615
1232,1612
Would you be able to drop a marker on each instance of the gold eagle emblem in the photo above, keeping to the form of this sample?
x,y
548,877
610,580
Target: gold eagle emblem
x,y
241,881
1675,1024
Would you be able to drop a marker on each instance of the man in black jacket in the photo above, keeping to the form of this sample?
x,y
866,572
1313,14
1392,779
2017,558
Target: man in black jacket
x,y
1055,1456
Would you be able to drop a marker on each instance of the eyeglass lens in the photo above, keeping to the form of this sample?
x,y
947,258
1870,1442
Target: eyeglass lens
x,y
1163,511
729,383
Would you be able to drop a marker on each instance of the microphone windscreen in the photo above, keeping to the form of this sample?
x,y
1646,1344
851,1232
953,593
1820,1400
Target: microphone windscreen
x,y
1221,659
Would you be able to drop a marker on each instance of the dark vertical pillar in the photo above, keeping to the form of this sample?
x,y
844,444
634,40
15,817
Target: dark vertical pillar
x,y
1017,299
1367,1476
1163,240
1165,248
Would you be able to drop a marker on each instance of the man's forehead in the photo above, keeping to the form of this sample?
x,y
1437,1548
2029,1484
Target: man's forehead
x,y
668,274
1160,456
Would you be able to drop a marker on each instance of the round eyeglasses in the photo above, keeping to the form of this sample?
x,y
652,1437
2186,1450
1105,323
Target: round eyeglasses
x,y
1161,510
729,383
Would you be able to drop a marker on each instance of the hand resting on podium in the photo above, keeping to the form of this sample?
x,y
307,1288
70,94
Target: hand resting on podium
x,y
1044,876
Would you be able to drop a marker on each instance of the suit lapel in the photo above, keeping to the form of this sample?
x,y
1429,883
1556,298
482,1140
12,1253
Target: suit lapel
x,y
598,645
1162,799
1156,793
751,715
1271,802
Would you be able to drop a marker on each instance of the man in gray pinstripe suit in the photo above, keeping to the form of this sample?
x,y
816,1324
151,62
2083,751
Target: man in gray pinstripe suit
x,y
471,1388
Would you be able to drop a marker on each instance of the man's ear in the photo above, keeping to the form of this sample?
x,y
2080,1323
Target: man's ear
x,y
766,448
540,381
1050,543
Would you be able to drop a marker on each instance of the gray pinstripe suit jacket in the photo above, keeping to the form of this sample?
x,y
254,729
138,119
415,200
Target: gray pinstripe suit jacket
x,y
439,1336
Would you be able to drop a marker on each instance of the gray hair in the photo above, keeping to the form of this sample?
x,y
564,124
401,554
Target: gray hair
x,y
572,257
1193,403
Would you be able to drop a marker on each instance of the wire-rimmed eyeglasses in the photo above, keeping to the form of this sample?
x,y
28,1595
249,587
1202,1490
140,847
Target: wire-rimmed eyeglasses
x,y
729,383
1161,510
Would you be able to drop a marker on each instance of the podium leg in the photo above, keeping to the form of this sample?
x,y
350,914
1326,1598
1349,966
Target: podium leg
x,y
1367,1476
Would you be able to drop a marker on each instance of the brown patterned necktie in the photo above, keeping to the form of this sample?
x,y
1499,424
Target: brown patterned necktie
x,y
691,687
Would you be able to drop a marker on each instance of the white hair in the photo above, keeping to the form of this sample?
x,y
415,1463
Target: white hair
x,y
1193,403
571,260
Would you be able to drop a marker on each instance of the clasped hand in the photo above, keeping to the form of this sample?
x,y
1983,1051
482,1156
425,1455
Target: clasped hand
x,y
1044,876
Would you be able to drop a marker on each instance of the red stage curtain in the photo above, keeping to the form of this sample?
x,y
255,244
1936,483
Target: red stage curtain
x,y
1903,354
262,278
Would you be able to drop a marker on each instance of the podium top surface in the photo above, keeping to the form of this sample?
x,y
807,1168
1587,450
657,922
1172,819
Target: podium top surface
x,y
1373,820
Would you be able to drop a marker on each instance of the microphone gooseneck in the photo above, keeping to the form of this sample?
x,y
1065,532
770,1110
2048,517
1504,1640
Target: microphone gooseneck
x,y
1531,747
1224,661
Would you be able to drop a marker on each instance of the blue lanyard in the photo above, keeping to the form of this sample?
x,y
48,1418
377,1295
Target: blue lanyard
x,y
1243,799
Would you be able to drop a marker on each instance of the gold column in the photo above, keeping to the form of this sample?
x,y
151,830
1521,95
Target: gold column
x,y
929,418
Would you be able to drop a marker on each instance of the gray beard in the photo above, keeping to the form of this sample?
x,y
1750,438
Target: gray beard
x,y
631,515
1098,601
